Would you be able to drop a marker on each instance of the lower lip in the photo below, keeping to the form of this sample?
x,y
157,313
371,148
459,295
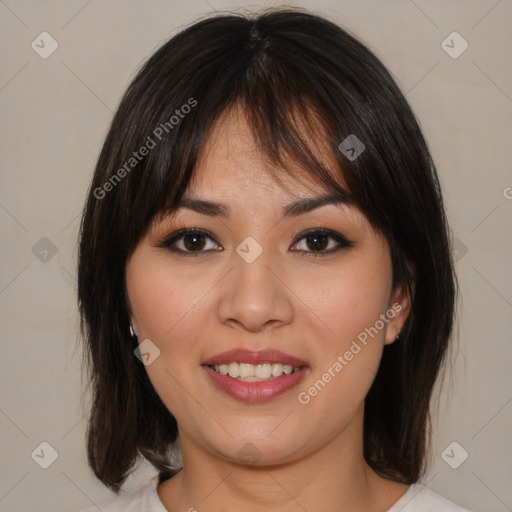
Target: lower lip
x,y
254,392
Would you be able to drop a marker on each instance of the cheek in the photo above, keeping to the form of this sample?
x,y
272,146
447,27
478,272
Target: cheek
x,y
163,301
350,299
167,306
347,311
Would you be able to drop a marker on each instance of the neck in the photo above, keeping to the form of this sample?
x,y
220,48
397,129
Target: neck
x,y
332,478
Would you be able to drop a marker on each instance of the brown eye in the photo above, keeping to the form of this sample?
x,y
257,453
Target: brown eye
x,y
190,242
321,242
317,242
194,242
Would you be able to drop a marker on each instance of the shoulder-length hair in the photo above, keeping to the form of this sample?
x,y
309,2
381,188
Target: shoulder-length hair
x,y
287,70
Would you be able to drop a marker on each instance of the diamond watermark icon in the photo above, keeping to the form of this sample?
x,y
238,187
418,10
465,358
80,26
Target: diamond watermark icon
x,y
44,45
454,45
44,455
147,352
249,249
249,454
352,147
454,455
459,250
44,250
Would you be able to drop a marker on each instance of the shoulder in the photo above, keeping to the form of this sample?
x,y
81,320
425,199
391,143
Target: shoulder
x,y
144,499
419,498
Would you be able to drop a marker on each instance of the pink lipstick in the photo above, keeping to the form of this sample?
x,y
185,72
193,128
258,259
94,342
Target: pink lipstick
x,y
255,376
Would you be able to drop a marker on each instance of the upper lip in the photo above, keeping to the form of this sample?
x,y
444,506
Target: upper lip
x,y
241,355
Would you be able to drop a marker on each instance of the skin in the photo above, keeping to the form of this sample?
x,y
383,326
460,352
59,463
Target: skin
x,y
191,308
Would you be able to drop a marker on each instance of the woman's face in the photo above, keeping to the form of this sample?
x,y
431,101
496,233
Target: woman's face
x,y
310,309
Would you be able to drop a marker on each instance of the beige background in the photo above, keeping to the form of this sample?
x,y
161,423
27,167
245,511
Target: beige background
x,y
55,114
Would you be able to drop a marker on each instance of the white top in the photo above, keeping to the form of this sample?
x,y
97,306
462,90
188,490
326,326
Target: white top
x,y
418,498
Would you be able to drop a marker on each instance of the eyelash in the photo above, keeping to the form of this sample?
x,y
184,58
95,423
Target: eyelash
x,y
343,242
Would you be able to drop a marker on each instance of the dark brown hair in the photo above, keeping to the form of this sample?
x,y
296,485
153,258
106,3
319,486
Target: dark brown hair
x,y
286,69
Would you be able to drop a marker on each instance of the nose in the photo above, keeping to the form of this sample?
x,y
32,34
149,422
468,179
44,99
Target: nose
x,y
255,295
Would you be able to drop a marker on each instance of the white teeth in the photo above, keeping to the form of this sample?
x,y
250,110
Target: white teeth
x,y
234,370
277,369
245,370
251,372
263,371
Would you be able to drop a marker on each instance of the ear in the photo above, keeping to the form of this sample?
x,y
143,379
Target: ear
x,y
133,323
133,319
399,308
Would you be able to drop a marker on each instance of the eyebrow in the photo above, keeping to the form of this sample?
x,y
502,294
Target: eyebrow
x,y
293,209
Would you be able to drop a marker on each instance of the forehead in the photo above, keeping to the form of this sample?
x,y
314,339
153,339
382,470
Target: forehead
x,y
235,178
232,160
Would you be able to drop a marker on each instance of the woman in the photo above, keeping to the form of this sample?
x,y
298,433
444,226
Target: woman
x,y
265,275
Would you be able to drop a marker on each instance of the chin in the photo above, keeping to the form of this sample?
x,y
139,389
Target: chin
x,y
250,447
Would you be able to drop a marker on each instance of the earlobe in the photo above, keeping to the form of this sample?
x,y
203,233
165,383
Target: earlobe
x,y
398,311
133,326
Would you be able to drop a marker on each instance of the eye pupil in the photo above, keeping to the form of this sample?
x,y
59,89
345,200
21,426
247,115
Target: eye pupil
x,y
194,244
317,240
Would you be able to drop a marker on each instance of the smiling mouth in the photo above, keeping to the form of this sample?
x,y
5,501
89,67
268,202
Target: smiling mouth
x,y
246,372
